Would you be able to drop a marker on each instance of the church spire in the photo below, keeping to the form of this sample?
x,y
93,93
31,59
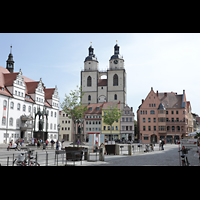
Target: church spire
x,y
10,62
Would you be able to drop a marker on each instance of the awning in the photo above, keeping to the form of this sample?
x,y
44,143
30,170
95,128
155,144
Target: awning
x,y
193,133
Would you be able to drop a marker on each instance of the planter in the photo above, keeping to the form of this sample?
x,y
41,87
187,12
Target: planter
x,y
110,149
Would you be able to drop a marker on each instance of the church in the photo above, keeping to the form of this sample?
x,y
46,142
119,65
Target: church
x,y
98,90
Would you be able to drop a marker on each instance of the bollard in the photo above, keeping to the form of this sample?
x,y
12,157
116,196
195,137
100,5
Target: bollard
x,y
101,154
46,158
130,150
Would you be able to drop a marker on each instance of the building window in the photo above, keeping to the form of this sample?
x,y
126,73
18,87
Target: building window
x,y
104,128
144,120
154,128
51,113
149,128
126,128
89,81
152,112
115,80
55,114
29,109
115,97
89,98
172,112
166,112
144,128
141,112
24,108
177,112
3,121
4,103
11,105
149,119
18,106
116,128
146,138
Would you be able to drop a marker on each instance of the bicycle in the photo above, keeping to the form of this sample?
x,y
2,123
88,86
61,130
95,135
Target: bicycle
x,y
184,158
21,160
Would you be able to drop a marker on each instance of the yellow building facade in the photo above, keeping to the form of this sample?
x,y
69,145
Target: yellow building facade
x,y
110,133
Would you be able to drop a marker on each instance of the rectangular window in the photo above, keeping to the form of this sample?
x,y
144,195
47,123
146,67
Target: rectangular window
x,y
104,128
154,128
144,128
146,138
116,128
149,119
144,120
154,119
149,128
177,112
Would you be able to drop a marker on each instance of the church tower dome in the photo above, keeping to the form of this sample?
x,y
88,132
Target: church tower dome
x,y
116,60
10,62
91,62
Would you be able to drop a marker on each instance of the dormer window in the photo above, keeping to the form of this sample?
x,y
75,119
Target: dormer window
x,y
90,108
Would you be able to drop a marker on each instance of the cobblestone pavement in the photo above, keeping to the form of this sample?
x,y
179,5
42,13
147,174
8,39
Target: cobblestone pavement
x,y
168,157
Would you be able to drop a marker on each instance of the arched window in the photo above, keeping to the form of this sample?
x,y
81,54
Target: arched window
x,y
18,106
115,97
12,105
89,81
115,80
89,98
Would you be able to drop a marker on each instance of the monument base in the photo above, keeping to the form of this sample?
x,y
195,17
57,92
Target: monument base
x,y
40,135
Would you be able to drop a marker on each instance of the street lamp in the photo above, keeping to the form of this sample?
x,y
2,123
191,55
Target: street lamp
x,y
58,130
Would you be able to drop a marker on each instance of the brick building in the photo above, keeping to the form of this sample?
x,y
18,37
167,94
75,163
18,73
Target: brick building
x,y
164,116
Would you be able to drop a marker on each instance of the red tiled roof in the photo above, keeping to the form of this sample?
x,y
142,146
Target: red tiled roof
x,y
102,82
94,108
31,86
7,78
49,93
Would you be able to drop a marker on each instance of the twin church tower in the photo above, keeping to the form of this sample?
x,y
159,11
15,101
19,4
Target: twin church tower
x,y
98,90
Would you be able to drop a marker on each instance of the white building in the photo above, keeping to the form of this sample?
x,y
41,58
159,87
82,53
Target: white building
x,y
98,90
23,103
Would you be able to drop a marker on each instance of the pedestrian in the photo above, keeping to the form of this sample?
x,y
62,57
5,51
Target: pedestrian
x,y
38,144
35,141
78,143
47,142
57,145
162,143
62,142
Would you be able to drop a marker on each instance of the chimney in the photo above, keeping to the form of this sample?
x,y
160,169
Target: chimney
x,y
131,109
142,100
165,94
157,93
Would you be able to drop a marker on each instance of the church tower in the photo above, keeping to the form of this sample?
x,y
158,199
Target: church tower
x,y
89,78
116,78
97,90
10,62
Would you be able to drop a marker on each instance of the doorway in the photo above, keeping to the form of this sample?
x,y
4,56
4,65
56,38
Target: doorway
x,y
22,134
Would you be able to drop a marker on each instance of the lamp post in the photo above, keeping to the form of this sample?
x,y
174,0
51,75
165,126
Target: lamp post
x,y
58,130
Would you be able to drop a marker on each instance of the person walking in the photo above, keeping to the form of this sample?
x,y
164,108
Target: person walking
x,y
162,144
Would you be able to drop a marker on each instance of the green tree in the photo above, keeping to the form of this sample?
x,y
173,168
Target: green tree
x,y
111,115
72,106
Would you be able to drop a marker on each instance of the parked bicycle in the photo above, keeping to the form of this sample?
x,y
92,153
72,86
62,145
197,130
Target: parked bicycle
x,y
184,158
26,160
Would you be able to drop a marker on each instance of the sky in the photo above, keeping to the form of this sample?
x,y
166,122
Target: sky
x,y
165,61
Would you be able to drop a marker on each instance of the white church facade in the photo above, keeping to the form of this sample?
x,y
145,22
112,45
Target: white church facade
x,y
26,106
